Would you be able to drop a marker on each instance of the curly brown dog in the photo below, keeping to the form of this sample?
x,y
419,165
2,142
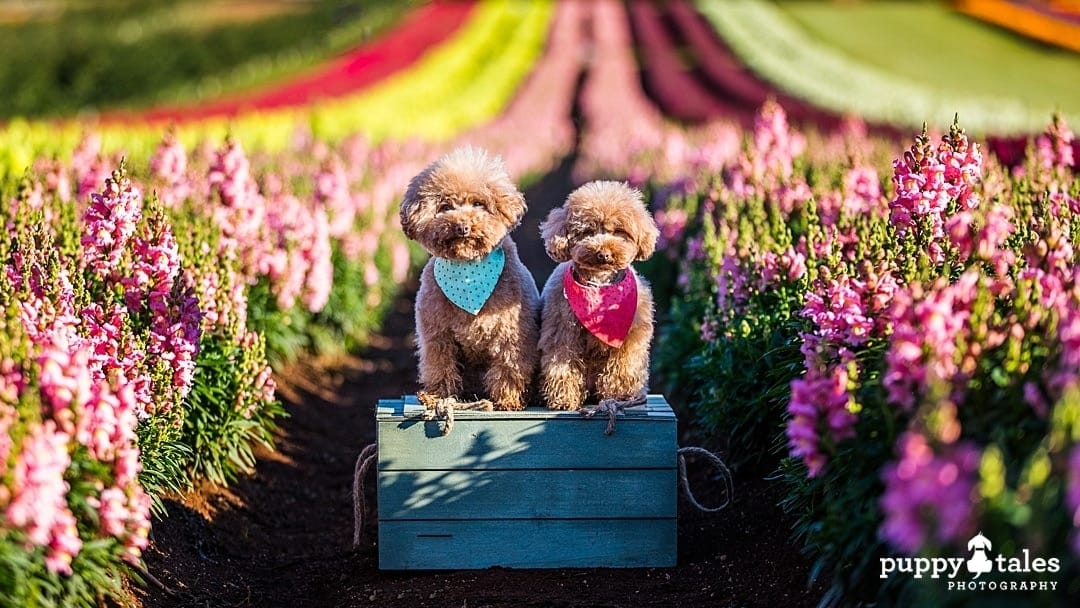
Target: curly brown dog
x,y
597,314
477,311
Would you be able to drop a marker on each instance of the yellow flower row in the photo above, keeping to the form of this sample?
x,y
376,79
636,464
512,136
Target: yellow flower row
x,y
463,82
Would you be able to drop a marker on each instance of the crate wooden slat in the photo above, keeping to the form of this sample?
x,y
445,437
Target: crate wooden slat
x,y
588,493
527,543
531,489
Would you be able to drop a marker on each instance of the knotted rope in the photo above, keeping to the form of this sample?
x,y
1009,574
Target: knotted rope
x,y
725,476
442,408
613,407
368,456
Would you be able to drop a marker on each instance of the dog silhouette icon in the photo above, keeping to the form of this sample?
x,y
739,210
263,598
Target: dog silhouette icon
x,y
979,561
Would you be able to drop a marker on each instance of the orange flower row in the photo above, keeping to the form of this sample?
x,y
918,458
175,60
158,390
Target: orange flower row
x,y
1028,21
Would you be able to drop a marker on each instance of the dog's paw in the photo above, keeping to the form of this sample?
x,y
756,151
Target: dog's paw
x,y
509,405
563,406
428,399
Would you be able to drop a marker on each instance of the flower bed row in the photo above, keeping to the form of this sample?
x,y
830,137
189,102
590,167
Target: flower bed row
x,y
772,45
137,330
460,84
902,340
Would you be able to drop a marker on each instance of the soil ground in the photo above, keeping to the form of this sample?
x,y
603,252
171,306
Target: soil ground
x,y
282,536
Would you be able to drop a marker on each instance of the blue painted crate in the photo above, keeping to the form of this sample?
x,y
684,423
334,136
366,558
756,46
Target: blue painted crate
x,y
531,489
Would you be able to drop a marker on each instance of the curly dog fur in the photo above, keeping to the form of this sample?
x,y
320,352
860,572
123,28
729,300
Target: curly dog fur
x,y
461,207
599,231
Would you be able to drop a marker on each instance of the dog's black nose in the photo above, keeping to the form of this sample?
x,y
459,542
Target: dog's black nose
x,y
605,257
462,230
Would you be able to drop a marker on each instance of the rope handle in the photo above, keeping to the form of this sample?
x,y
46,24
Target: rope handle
x,y
368,456
725,476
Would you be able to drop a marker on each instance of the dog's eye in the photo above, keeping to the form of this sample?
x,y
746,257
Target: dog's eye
x,y
619,232
444,207
477,203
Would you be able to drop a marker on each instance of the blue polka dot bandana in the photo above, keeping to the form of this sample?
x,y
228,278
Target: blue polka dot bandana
x,y
469,284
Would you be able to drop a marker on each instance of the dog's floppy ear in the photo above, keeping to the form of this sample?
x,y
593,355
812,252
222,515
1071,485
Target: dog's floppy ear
x,y
412,205
510,203
646,233
553,230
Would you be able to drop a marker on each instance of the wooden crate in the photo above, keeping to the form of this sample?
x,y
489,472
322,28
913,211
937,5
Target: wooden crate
x,y
531,489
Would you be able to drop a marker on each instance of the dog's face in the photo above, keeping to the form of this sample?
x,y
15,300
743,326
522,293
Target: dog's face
x,y
461,206
602,226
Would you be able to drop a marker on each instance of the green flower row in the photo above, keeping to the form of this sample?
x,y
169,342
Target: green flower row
x,y
777,49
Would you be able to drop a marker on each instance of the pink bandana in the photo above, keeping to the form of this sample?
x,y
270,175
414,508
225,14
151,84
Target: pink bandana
x,y
607,311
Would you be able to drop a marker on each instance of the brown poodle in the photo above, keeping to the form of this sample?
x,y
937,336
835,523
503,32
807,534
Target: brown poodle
x,y
597,319
477,311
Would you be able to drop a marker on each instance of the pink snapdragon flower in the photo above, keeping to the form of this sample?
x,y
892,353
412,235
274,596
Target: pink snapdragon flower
x,y
672,224
1066,373
47,311
125,515
221,292
862,193
300,243
838,311
932,184
109,222
318,255
769,162
88,165
254,396
400,261
39,496
55,179
987,242
923,344
1054,148
241,213
733,284
788,265
156,286
168,164
928,497
9,384
849,311
89,411
819,412
332,193
113,358
775,145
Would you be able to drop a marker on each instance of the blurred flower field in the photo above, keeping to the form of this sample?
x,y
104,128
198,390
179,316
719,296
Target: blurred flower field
x,y
883,321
